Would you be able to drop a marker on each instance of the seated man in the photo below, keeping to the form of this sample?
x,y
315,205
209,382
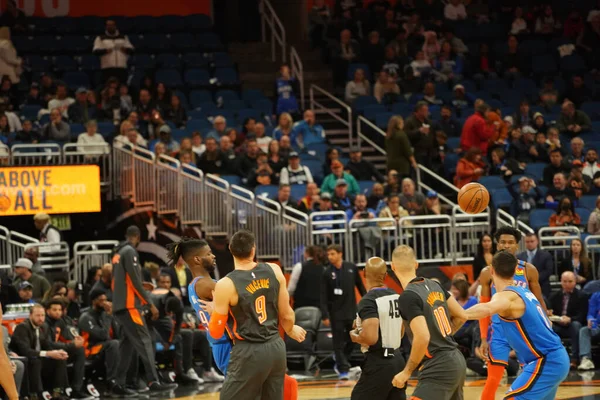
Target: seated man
x,y
26,292
98,331
589,332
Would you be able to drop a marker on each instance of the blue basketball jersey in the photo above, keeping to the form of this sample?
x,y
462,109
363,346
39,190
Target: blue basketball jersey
x,y
203,315
519,280
531,336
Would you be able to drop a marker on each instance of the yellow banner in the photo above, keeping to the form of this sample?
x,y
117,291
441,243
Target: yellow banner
x,y
53,190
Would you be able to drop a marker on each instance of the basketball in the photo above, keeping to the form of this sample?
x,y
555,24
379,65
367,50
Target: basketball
x,y
473,198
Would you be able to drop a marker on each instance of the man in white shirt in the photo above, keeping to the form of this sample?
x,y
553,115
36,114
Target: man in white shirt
x,y
91,142
48,232
455,11
294,173
261,139
114,49
131,137
62,101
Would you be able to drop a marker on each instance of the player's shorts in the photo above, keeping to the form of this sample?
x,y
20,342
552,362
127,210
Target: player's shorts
x,y
499,348
442,377
255,370
221,353
540,379
376,378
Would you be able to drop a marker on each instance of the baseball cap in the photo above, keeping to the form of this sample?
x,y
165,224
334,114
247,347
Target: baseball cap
x,y
459,87
341,182
76,286
509,119
25,285
164,129
431,194
528,129
538,114
325,196
336,164
35,85
24,263
293,154
81,90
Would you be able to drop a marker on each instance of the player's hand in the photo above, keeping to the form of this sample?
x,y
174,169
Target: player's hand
x,y
400,379
13,367
565,320
354,335
484,348
297,333
326,322
78,341
207,306
154,312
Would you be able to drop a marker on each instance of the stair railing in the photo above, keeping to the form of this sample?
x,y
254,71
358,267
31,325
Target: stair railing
x,y
315,105
277,31
297,72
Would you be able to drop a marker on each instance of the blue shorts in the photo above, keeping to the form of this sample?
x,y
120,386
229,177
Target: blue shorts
x,y
221,353
540,379
499,348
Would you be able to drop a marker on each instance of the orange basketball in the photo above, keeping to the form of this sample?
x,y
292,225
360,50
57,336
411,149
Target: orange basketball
x,y
473,198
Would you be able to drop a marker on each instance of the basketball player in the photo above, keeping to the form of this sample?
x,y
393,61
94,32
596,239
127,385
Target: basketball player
x,y
7,380
527,329
433,315
379,332
256,298
526,276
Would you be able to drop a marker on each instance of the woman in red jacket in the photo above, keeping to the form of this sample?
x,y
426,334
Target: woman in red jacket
x,y
469,168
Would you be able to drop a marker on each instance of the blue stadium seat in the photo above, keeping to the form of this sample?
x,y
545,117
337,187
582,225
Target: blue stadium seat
x,y
89,62
196,114
30,112
592,109
195,60
315,167
534,47
143,61
265,106
38,63
525,85
514,179
544,65
156,42
298,191
225,95
381,119
402,109
539,218
269,191
501,198
144,23
50,44
76,79
106,129
588,201
196,77
76,130
226,76
572,64
92,25
244,113
201,125
77,44
171,23
318,148
25,44
495,103
494,85
365,187
170,77
584,214
197,23
183,41
178,134
593,144
199,96
252,95
453,143
353,67
209,42
64,63
209,109
372,110
222,60
361,102
168,60
450,165
492,182
234,105
535,170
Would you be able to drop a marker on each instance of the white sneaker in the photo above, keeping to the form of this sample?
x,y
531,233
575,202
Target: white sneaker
x,y
212,376
192,374
586,364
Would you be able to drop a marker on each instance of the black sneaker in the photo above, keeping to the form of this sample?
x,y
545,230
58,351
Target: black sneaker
x,y
185,380
120,391
157,387
75,394
137,389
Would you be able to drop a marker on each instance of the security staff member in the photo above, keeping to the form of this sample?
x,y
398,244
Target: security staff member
x,y
338,304
379,332
128,295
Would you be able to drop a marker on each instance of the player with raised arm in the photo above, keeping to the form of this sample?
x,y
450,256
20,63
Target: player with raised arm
x,y
526,328
493,344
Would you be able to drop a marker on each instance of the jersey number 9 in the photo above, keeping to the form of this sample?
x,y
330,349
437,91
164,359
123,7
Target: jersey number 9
x,y
261,310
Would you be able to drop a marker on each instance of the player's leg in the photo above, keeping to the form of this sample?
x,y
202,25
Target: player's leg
x,y
498,360
247,370
290,388
540,380
461,370
375,380
221,353
273,387
440,377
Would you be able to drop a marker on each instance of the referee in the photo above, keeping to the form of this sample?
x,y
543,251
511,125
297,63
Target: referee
x,y
379,332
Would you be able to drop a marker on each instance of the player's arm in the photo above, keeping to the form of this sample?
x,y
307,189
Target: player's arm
x,y
7,380
500,303
533,278
287,317
411,308
369,333
485,278
458,316
130,264
224,291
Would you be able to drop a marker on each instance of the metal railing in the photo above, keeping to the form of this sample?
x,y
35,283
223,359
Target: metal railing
x,y
16,245
277,35
168,185
35,154
268,227
90,254
216,195
4,249
122,174
144,184
96,154
329,227
296,235
315,106
558,245
52,255
372,237
193,196
468,228
430,236
360,125
297,70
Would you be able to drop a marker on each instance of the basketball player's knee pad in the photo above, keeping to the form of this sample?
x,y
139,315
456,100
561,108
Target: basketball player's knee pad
x,y
290,388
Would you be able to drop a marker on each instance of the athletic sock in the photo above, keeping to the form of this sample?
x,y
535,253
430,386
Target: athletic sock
x,y
290,388
492,382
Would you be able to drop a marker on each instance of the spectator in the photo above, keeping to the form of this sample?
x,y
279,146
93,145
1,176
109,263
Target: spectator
x,y
376,200
421,66
461,99
133,119
512,61
284,197
81,111
248,161
360,169
181,276
373,52
90,137
476,132
456,44
569,306
212,160
145,105
110,104
308,131
359,86
338,304
469,168
431,47
460,291
176,112
164,136
573,26
25,291
114,50
331,154
541,259
248,131
130,137
418,129
307,202
502,166
410,200
162,98
399,151
125,100
486,248
295,173
539,151
539,124
99,332
556,166
400,44
577,92
4,128
34,97
62,101
524,116
429,95
319,17
187,158
386,90
432,203
105,282
525,200
13,18
392,186
337,174
285,126
577,146
33,254
340,200
345,53
263,174
521,144
577,260
483,63
45,360
572,122
553,141
559,191
159,149
276,162
303,277
287,89
589,332
28,134
47,87
549,95
261,139
519,25
449,125
226,147
219,128
164,281
360,209
197,146
577,181
591,166
455,11
545,24
565,216
10,64
393,209
593,227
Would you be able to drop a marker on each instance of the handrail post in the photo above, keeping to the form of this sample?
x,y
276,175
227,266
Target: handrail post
x,y
263,21
283,47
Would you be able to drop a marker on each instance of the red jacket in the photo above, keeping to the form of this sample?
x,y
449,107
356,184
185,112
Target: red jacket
x,y
476,133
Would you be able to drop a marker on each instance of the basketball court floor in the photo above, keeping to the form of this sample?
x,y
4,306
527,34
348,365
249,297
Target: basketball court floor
x,y
577,386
